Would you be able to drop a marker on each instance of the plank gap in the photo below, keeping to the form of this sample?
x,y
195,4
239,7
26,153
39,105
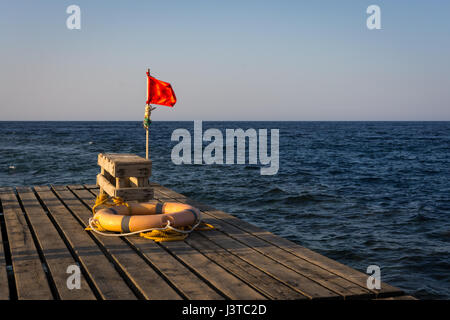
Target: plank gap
x,y
47,273
7,254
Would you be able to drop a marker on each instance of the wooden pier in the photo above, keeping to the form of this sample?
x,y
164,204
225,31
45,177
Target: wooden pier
x,y
42,234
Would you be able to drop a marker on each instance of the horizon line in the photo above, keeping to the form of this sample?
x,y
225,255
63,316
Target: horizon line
x,y
226,120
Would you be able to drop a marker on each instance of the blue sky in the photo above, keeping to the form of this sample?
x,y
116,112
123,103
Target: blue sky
x,y
226,60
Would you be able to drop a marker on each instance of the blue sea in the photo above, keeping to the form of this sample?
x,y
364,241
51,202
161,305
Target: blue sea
x,y
362,193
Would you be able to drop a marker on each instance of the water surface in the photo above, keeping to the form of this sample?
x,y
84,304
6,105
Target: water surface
x,y
361,193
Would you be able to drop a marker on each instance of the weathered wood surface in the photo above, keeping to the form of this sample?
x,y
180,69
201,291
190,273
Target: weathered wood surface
x,y
4,287
45,231
125,176
108,282
29,274
121,165
146,281
57,256
128,193
268,243
399,298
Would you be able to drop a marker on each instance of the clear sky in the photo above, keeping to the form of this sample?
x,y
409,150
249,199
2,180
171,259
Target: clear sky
x,y
226,60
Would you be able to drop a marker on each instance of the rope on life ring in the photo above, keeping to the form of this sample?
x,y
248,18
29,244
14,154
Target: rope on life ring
x,y
166,233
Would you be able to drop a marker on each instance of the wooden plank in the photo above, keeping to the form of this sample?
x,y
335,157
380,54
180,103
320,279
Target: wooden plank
x,y
323,277
314,273
142,193
192,286
333,266
227,283
4,286
55,252
330,265
311,271
30,279
276,269
188,283
106,185
150,284
219,277
122,183
128,194
104,276
259,280
138,182
108,176
76,186
399,298
125,165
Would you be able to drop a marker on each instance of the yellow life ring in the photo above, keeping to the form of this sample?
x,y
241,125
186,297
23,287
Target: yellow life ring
x,y
140,217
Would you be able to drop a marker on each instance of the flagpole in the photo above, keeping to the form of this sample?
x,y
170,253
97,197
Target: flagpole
x,y
146,145
146,129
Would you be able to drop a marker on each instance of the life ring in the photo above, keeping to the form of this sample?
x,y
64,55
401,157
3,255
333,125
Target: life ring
x,y
136,217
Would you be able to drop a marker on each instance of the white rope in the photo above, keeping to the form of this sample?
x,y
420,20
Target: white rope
x,y
167,227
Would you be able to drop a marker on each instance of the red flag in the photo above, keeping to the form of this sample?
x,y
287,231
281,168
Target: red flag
x,y
160,92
